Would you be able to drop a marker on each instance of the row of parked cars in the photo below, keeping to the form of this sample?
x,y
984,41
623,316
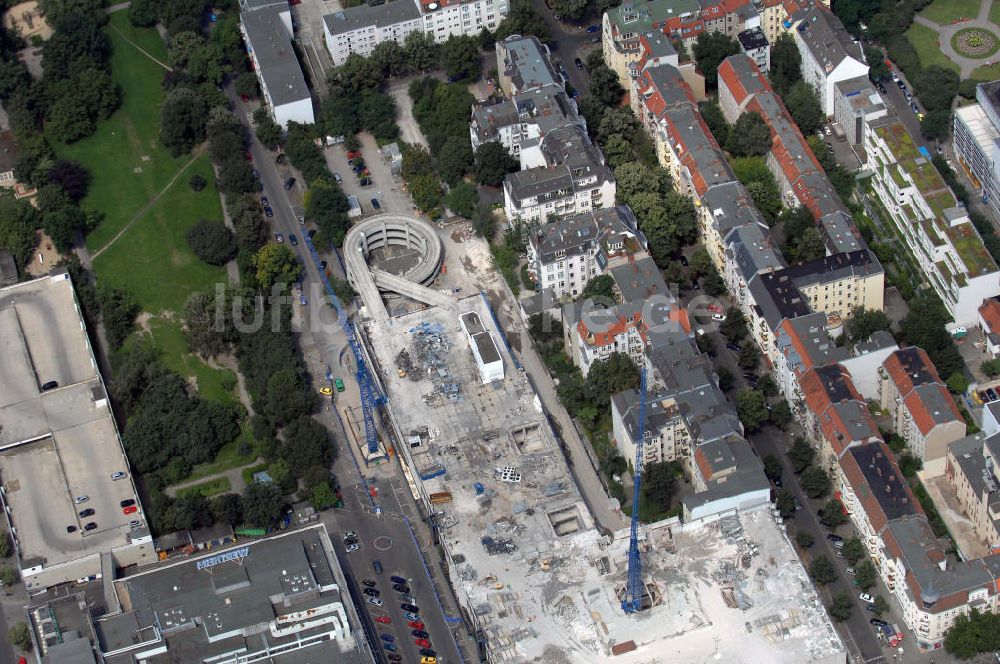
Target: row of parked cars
x,y
128,508
418,631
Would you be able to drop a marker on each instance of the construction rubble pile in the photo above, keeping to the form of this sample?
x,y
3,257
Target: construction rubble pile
x,y
425,359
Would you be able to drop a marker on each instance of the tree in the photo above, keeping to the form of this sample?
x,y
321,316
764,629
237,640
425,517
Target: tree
x,y
72,177
306,444
20,637
767,197
618,150
119,310
620,120
460,57
785,502
18,220
268,132
936,86
803,105
781,413
8,576
991,368
484,222
865,322
182,120
377,114
811,246
725,378
801,455
924,327
4,544
750,137
262,504
711,113
246,84
192,511
227,508
602,286
832,514
772,467
709,50
842,606
610,375
288,396
426,192
522,19
853,550
748,358
876,64
275,263
492,163
421,51
804,539
390,58
936,124
815,482
659,483
734,328
865,575
462,199
604,85
822,571
454,159
972,634
326,206
142,13
880,605
212,242
786,63
751,407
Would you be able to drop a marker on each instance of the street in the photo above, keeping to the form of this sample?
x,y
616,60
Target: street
x,y
567,43
385,537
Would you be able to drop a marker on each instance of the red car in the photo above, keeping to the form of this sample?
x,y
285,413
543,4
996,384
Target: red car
x,y
249,157
245,98
131,509
353,155
422,643
715,309
415,624
385,620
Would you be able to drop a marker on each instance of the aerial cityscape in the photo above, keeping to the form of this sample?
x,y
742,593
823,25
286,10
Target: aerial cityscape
x,y
451,331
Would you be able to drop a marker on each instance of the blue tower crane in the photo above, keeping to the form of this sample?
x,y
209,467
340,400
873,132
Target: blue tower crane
x,y
632,601
371,397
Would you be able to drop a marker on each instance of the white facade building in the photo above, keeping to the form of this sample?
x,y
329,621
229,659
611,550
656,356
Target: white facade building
x,y
268,34
829,53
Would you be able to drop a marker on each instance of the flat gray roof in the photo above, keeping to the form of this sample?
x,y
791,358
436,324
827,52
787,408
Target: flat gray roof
x,y
487,347
279,68
364,16
61,443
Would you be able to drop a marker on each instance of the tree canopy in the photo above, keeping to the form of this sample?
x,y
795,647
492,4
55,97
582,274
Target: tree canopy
x,y
212,242
750,136
709,50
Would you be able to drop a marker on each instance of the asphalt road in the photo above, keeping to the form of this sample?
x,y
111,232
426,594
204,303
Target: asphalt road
x,y
383,537
568,42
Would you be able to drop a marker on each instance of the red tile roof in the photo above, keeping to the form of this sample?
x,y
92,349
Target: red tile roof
x,y
909,368
990,311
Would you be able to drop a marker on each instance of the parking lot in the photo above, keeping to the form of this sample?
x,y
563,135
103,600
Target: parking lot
x,y
384,187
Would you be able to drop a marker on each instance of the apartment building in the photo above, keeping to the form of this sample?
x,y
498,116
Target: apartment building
x,y
626,27
836,413
360,29
922,409
971,469
926,214
727,476
564,255
829,53
573,179
523,121
749,252
625,328
856,102
977,142
755,46
267,31
525,63
989,324
840,283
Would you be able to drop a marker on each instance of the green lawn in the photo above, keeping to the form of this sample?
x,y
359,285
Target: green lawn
x,y
995,13
152,259
986,72
248,473
128,140
925,41
946,12
213,384
209,488
228,457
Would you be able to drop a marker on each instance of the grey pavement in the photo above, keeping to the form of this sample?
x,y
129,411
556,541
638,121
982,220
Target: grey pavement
x,y
946,32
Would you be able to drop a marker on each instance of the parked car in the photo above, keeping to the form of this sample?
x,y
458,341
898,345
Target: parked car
x,y
415,624
50,385
427,652
366,182
733,346
83,499
401,588
385,620
391,647
411,616
268,212
70,529
592,29
134,523
991,393
337,178
245,98
849,571
90,526
376,204
377,566
375,601
422,643
419,633
410,607
279,238
371,592
86,512
351,548
294,240
131,509
719,317
368,583
877,622
305,303
289,183
397,579
387,637
579,63
126,502
393,657
264,202
117,475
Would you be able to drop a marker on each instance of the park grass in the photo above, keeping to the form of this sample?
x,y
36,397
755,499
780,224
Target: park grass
x,y
208,489
227,458
152,260
213,384
986,72
925,41
118,147
995,13
946,12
